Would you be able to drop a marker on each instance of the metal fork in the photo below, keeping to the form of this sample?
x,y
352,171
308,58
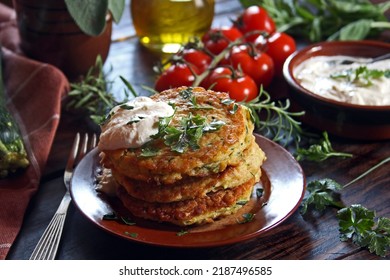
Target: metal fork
x,y
47,246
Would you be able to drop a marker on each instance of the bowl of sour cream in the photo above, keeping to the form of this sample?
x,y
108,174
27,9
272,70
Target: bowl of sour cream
x,y
343,86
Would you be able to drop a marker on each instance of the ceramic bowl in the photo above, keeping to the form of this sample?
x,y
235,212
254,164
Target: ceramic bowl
x,y
338,118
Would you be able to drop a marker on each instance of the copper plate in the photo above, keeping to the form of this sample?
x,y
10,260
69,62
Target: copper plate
x,y
283,184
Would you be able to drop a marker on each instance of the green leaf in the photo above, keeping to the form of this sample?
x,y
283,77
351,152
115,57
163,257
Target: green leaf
x,y
357,223
116,7
319,152
90,15
320,194
383,224
357,30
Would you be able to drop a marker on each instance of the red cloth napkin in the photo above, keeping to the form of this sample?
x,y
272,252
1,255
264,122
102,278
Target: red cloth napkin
x,y
34,92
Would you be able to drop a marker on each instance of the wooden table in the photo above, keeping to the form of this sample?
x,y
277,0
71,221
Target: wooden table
x,y
311,237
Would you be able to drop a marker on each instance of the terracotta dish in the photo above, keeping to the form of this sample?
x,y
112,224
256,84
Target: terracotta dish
x,y
282,182
339,118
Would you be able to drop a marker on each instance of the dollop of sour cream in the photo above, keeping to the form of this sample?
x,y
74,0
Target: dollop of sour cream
x,y
132,124
317,74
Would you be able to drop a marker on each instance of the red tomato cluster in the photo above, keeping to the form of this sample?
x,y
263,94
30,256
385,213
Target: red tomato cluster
x,y
237,59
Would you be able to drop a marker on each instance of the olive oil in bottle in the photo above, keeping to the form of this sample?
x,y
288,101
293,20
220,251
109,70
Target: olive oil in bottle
x,y
165,25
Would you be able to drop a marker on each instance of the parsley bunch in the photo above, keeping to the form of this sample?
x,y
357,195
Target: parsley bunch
x,y
355,222
358,224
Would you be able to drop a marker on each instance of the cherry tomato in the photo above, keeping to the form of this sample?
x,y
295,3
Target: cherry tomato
x,y
176,75
254,20
239,86
197,58
217,39
279,47
258,65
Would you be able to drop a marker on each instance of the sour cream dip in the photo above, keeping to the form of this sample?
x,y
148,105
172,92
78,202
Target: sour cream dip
x,y
334,78
131,125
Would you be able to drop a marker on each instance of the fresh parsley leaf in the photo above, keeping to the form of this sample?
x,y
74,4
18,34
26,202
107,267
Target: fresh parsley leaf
x,y
259,192
362,76
186,93
357,223
320,194
148,150
319,152
187,134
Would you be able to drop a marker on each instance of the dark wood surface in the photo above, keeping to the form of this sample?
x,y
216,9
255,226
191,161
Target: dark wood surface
x,y
309,237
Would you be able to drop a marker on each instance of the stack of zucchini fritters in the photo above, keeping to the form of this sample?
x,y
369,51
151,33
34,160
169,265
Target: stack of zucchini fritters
x,y
209,176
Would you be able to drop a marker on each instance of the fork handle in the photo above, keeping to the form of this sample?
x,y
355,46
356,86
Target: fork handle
x,y
47,246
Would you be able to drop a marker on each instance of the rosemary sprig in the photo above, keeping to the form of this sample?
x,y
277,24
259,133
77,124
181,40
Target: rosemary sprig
x,y
274,120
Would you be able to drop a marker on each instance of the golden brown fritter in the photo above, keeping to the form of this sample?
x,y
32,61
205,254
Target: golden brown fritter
x,y
188,188
217,150
193,211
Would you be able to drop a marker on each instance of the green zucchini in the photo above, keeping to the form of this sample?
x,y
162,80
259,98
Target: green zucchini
x,y
13,155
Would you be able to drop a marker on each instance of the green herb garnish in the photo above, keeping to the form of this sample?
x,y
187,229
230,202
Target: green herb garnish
x,y
182,232
322,193
186,93
247,217
355,222
325,192
148,150
242,202
136,119
277,123
92,96
187,134
229,102
361,76
110,217
131,234
259,192
358,224
126,107
319,152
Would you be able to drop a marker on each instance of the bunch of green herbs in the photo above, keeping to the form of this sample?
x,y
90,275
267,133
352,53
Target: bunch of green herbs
x,y
356,223
318,20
